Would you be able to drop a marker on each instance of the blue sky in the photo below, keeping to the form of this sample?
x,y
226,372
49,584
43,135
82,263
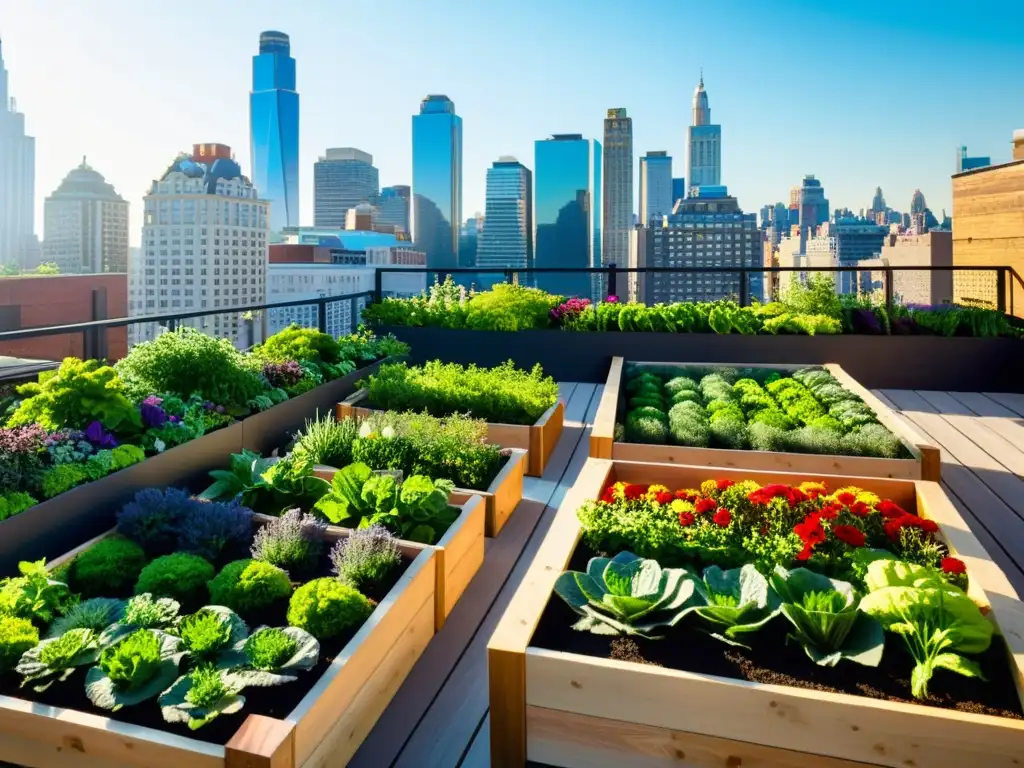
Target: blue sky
x,y
860,94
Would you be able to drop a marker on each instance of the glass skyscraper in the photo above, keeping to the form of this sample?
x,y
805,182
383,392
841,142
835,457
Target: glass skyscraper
x,y
567,211
507,237
437,181
274,123
655,186
342,179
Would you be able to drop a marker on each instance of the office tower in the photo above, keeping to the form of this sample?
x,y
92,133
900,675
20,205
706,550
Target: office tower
x,y
618,187
342,179
706,230
705,142
469,238
204,246
678,189
965,163
811,203
567,211
274,124
85,225
655,186
507,236
437,181
393,209
17,179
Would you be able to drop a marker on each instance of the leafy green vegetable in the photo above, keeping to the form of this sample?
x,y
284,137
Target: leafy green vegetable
x,y
16,636
146,612
209,631
740,600
274,656
200,697
626,595
55,660
134,669
34,595
825,618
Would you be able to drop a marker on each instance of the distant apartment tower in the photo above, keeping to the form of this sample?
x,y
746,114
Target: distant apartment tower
x,y
204,247
705,143
85,225
812,205
393,208
506,240
342,179
567,211
274,129
934,249
704,231
618,187
655,186
965,163
17,179
437,181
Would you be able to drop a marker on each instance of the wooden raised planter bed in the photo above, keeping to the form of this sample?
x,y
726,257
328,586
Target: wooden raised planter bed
x,y
571,710
325,729
925,463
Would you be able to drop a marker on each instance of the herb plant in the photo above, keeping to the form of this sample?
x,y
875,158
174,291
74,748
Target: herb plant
x,y
328,441
96,614
293,542
250,586
200,697
147,612
16,637
326,608
109,567
134,669
34,595
366,556
154,519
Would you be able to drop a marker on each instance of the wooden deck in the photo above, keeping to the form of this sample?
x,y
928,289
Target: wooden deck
x,y
439,716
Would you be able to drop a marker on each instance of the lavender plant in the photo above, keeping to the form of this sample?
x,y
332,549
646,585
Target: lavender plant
x,y
215,530
293,541
366,556
153,520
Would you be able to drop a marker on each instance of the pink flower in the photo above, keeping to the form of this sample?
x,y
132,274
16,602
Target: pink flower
x,y
612,299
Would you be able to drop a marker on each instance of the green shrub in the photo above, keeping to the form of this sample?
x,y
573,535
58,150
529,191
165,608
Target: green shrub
x,y
188,362
650,413
510,308
646,429
108,569
249,586
14,503
75,395
180,576
680,384
728,433
771,417
766,437
826,422
642,380
62,478
16,636
874,440
326,608
647,400
685,396
814,440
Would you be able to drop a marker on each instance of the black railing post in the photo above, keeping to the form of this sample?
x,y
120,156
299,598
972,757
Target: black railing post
x,y
888,289
744,289
353,314
612,273
510,276
321,315
1001,289
172,324
378,286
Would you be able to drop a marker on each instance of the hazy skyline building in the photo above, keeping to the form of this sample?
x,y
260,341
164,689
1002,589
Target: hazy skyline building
x,y
437,181
343,178
85,224
274,129
567,211
17,178
618,187
393,208
812,205
507,236
704,140
656,185
678,189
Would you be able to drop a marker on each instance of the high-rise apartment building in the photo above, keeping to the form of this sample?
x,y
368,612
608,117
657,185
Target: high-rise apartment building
x,y
507,236
567,211
204,246
17,178
655,186
705,142
703,232
85,225
618,187
811,204
437,181
393,209
274,126
342,179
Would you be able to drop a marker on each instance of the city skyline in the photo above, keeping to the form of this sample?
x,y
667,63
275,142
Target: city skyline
x,y
770,143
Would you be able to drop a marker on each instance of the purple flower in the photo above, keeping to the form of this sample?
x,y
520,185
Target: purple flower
x,y
99,437
154,519
216,530
153,400
570,309
612,299
152,414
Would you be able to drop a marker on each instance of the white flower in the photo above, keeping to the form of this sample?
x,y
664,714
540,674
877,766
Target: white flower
x,y
365,429
387,432
159,445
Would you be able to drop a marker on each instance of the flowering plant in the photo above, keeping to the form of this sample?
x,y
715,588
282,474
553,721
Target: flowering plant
x,y
569,310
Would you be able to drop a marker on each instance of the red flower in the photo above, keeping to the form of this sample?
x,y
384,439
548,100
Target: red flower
x,y
769,492
849,535
810,530
764,530
805,553
664,497
723,484
860,509
722,517
686,495
893,528
795,496
829,511
928,526
608,497
686,519
953,565
846,498
891,511
634,492
704,505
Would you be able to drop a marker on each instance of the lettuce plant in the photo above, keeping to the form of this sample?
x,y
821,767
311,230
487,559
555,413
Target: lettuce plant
x,y
34,595
738,602
937,621
134,669
825,618
273,656
200,697
626,595
211,631
326,608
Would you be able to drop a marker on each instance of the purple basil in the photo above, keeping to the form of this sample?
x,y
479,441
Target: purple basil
x,y
286,374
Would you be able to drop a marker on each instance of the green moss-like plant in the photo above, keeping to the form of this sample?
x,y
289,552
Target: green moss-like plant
x,y
181,577
326,608
108,569
62,478
250,586
680,384
645,429
16,637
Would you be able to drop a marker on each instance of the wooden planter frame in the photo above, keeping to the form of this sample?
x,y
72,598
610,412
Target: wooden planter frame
x,y
925,464
572,710
325,729
539,439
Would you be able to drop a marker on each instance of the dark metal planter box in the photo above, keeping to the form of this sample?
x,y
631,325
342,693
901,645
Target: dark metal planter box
x,y
878,362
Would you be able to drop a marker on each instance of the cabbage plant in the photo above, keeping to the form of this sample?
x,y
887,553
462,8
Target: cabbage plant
x,y
211,631
272,656
200,697
825,618
737,602
626,595
937,621
134,669
55,659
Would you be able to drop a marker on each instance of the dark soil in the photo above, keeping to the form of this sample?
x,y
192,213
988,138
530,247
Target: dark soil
x,y
278,701
774,661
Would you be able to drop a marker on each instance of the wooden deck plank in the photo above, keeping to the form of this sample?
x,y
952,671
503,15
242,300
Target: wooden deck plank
x,y
965,422
479,753
999,419
541,488
1009,400
446,731
421,687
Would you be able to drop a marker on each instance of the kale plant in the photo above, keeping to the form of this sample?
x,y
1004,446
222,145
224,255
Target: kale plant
x,y
210,631
55,660
737,602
